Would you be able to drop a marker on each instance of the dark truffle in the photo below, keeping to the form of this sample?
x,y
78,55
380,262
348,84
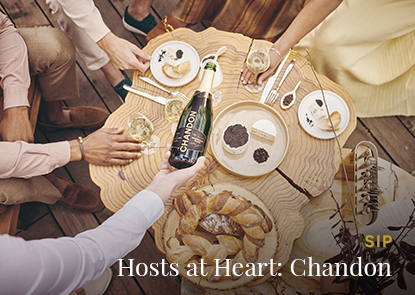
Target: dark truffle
x,y
236,135
179,54
261,155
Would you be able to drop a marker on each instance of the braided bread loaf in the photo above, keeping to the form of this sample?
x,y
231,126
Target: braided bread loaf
x,y
235,217
199,246
213,223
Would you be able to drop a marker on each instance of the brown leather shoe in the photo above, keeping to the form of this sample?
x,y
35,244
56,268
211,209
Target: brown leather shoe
x,y
81,117
2,208
79,197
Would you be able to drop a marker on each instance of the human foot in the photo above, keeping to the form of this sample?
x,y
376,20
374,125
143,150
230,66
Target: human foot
x,y
76,196
117,79
138,23
83,117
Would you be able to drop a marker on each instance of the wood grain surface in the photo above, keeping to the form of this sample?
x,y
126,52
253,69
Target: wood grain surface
x,y
309,165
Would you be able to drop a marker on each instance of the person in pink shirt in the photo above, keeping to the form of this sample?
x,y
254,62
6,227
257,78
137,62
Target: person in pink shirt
x,y
25,170
50,55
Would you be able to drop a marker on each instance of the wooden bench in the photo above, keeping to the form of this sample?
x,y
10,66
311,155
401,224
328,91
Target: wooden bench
x,y
8,219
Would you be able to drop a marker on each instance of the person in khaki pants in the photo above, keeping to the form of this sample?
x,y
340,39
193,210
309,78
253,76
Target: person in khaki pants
x,y
49,54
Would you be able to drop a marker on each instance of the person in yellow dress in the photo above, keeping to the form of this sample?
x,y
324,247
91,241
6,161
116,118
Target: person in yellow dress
x,y
368,47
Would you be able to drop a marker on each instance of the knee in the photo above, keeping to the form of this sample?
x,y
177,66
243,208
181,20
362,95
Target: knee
x,y
62,49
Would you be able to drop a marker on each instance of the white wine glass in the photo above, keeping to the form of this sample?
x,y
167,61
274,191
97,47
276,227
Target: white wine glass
x,y
175,104
258,61
141,129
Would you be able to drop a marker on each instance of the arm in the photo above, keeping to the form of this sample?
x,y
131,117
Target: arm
x,y
103,147
122,53
313,13
58,266
15,81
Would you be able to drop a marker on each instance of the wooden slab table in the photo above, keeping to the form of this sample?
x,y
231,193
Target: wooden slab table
x,y
398,188
307,170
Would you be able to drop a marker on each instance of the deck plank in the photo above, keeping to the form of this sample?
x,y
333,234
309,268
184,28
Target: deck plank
x,y
409,123
46,227
361,133
31,213
394,138
21,11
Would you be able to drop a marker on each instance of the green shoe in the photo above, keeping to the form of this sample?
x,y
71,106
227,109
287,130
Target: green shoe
x,y
139,27
119,87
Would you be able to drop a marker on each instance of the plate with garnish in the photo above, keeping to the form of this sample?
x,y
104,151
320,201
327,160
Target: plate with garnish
x,y
174,63
316,117
249,138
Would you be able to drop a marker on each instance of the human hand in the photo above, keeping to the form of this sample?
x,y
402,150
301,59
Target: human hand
x,y
107,146
16,125
275,60
168,179
249,77
124,54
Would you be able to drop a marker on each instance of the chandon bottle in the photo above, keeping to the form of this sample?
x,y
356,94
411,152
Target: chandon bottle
x,y
193,130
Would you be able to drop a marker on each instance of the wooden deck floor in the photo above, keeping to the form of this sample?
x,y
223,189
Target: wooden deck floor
x,y
394,137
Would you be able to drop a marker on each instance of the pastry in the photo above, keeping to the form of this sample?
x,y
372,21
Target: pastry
x,y
335,118
169,72
177,71
193,208
183,68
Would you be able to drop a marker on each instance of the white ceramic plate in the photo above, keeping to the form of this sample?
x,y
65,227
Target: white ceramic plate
x,y
334,103
247,113
158,60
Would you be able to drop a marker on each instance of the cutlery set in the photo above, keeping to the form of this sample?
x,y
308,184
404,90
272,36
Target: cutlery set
x,y
273,95
269,95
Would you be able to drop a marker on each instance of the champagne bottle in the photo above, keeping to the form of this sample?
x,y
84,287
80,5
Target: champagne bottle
x,y
193,130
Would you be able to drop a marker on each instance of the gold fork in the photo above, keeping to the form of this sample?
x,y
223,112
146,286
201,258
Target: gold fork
x,y
273,94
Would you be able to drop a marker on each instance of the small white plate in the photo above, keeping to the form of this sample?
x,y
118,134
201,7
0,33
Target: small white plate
x,y
158,60
334,103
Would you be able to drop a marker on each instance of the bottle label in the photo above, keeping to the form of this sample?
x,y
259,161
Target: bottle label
x,y
187,137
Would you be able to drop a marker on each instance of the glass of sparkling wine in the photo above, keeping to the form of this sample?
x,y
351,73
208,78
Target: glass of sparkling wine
x,y
257,62
141,129
175,104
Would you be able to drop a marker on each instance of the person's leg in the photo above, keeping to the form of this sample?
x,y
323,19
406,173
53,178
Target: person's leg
x,y
49,189
52,59
137,17
36,189
95,58
139,9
